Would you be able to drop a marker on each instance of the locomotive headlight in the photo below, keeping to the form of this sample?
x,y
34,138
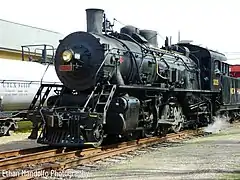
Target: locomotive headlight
x,y
67,55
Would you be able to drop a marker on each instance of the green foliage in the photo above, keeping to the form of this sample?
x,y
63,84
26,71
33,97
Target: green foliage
x,y
233,176
24,127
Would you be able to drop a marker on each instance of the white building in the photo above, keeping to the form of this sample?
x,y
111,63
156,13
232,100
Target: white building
x,y
14,35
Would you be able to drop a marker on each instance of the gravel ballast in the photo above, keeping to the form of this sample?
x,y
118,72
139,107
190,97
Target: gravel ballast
x,y
211,157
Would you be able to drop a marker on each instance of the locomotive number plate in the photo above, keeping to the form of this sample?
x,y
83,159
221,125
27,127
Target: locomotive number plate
x,y
215,82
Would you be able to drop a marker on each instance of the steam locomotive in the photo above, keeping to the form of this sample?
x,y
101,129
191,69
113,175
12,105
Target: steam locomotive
x,y
124,85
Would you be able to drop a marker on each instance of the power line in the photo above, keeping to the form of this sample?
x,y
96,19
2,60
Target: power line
x,y
233,58
232,52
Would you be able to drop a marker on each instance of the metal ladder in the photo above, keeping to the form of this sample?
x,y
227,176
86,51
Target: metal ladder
x,y
42,95
103,101
104,104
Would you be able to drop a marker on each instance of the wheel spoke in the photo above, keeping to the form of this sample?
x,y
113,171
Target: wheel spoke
x,y
175,113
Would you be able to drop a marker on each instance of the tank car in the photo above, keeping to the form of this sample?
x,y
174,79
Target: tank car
x,y
121,84
19,83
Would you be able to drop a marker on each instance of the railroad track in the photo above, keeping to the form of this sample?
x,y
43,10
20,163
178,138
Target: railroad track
x,y
21,152
45,159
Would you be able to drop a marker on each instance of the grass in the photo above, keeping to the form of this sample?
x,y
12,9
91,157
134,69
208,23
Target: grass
x,y
232,176
24,127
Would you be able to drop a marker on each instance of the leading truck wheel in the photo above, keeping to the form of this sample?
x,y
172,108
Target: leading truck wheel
x,y
95,137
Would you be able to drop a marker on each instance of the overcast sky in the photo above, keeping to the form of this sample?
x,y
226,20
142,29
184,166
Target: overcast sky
x,y
212,23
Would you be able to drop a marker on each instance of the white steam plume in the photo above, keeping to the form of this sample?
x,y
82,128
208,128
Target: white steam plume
x,y
219,123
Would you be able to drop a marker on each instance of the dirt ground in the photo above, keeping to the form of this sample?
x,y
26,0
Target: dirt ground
x,y
211,157
16,141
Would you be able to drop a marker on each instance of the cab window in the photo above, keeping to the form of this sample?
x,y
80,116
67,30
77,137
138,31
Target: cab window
x,y
217,66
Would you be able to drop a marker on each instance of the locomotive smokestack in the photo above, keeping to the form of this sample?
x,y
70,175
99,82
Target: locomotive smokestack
x,y
94,20
150,36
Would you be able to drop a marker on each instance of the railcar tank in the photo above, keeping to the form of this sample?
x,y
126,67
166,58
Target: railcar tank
x,y
19,83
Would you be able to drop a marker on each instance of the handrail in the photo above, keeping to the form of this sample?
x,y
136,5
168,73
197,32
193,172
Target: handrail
x,y
2,81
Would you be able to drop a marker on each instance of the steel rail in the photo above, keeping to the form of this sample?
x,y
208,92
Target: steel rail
x,y
65,160
19,152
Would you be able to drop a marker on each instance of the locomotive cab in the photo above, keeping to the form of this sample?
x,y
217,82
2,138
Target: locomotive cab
x,y
210,64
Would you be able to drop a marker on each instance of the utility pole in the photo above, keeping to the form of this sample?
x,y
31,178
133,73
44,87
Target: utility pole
x,y
179,37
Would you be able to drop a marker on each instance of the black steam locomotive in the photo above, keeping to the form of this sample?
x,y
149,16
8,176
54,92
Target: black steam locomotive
x,y
122,84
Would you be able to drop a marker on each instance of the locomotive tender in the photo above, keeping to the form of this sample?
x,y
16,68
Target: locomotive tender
x,y
123,84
